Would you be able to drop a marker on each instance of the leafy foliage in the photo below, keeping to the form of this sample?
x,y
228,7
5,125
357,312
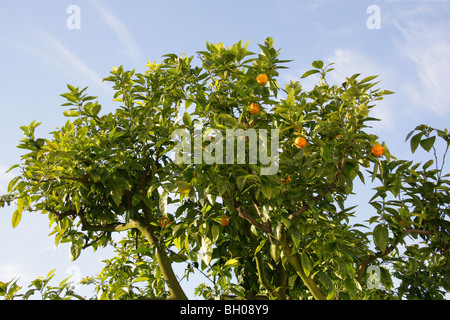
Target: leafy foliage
x,y
288,234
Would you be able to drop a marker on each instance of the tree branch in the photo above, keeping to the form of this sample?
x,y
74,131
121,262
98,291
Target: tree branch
x,y
243,214
175,289
388,250
295,262
60,216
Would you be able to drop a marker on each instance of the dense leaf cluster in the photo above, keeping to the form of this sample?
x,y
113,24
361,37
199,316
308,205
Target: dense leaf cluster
x,y
289,234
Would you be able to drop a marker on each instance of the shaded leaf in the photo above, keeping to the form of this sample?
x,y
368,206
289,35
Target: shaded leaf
x,y
381,237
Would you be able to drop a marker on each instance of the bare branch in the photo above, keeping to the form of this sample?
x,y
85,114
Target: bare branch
x,y
243,214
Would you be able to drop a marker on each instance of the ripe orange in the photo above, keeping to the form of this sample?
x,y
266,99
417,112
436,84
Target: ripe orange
x,y
287,180
262,79
225,220
377,150
254,108
163,221
300,142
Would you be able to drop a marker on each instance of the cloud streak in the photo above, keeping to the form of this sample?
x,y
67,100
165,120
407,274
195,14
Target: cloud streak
x,y
52,52
427,49
121,31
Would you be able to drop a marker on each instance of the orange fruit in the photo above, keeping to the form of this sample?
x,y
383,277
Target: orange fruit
x,y
163,221
287,180
225,220
300,142
377,150
254,108
262,78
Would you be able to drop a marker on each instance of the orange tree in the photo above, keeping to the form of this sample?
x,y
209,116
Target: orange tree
x,y
278,234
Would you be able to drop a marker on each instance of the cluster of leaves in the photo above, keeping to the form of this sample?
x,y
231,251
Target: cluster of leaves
x,y
40,289
289,235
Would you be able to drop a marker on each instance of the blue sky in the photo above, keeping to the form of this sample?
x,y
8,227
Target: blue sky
x,y
39,55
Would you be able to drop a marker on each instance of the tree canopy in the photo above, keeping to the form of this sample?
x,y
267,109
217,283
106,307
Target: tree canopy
x,y
161,170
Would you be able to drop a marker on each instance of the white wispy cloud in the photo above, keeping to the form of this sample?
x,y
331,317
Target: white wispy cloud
x,y
118,27
427,49
49,50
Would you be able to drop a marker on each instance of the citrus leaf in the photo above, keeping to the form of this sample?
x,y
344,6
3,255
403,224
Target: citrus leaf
x,y
306,263
415,141
290,98
261,245
163,202
308,73
207,250
187,118
266,189
16,218
317,64
275,252
76,201
75,250
381,237
296,236
215,233
20,204
116,194
428,143
232,263
222,185
350,285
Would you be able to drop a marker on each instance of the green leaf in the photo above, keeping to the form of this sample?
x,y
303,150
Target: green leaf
x,y
275,252
163,202
290,98
232,262
215,231
325,152
381,237
16,218
310,72
415,141
240,181
148,123
325,280
306,263
428,143
350,285
76,201
12,168
136,199
296,236
116,194
20,204
317,64
266,189
222,185
261,245
75,250
187,118
428,164
207,249
141,279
